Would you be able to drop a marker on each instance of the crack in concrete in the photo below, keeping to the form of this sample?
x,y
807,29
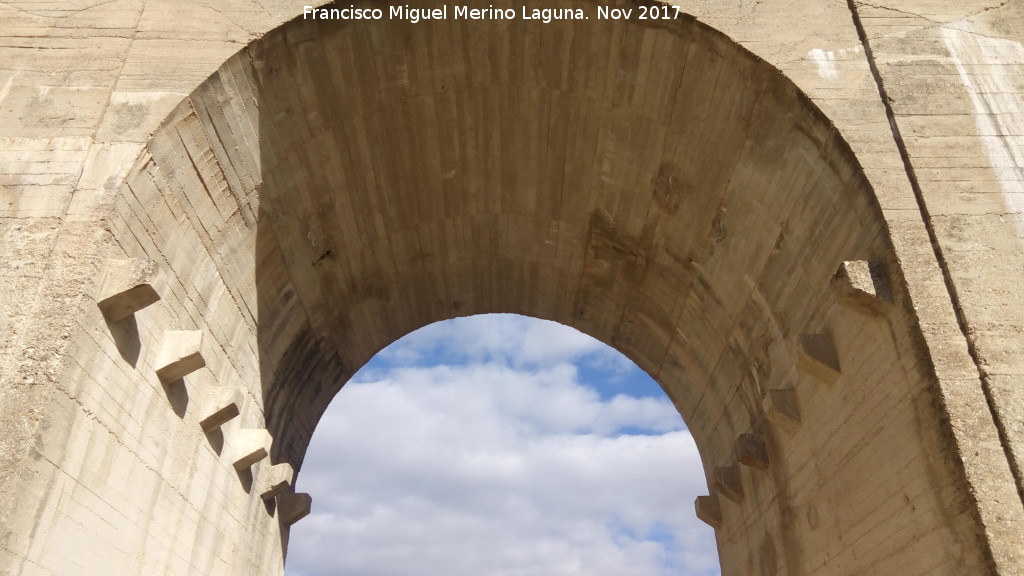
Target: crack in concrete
x,y
982,11
205,4
898,11
69,14
932,20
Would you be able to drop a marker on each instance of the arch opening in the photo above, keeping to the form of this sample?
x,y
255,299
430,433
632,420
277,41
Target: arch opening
x,y
502,444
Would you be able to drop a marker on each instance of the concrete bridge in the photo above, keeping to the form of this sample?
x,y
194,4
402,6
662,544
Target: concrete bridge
x,y
804,219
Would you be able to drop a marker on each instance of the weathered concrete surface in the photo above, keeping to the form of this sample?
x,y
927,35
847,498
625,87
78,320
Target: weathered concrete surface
x,y
955,75
702,263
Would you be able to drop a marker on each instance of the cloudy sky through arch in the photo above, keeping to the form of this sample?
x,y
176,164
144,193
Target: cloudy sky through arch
x,y
501,445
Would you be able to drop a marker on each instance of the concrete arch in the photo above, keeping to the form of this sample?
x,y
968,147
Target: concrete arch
x,y
655,186
337,185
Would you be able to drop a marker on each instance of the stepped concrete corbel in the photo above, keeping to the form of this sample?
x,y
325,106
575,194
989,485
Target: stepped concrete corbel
x,y
292,507
782,409
708,510
728,483
181,354
126,287
222,405
251,446
863,287
275,479
817,357
751,451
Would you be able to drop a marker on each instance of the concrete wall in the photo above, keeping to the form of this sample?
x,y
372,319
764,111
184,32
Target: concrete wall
x,y
684,197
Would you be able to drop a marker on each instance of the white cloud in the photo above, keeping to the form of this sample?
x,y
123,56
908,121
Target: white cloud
x,y
514,340
502,464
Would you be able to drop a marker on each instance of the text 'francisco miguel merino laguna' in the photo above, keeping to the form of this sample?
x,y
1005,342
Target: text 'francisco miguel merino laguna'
x,y
458,12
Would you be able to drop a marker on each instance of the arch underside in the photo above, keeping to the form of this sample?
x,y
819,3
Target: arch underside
x,y
652,185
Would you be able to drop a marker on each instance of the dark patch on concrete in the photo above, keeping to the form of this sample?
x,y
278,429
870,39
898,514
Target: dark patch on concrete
x,y
612,260
611,254
718,230
128,117
812,516
669,187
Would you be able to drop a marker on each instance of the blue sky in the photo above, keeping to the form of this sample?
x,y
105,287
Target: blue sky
x,y
501,445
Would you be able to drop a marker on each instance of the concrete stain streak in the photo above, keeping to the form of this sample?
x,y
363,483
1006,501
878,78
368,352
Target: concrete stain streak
x,y
6,90
826,60
985,66
826,63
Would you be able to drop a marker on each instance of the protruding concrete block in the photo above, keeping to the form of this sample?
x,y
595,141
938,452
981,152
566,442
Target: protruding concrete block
x,y
292,507
782,409
708,510
728,483
275,479
181,353
127,287
751,451
863,286
221,406
817,357
251,446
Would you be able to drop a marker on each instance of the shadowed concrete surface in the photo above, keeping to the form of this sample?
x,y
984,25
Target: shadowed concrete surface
x,y
801,219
